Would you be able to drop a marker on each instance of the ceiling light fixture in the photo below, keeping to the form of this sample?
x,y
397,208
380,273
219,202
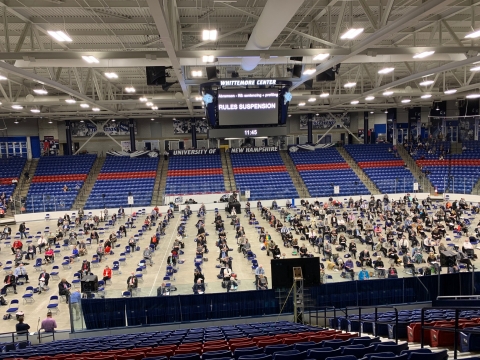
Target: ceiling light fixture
x,y
370,98
372,112
113,120
36,111
197,73
473,96
349,85
309,71
301,104
324,95
426,96
70,101
449,92
473,35
85,106
406,101
386,70
90,59
476,68
59,36
152,119
143,99
3,77
111,75
388,93
50,121
312,99
40,91
426,82
209,35
95,109
354,102
17,107
351,34
16,121
154,107
208,58
198,98
386,111
130,89
149,103
321,57
423,54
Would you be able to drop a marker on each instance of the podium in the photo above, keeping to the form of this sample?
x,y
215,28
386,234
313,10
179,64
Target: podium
x,y
89,283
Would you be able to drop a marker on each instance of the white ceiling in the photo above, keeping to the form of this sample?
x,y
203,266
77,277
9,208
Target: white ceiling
x,y
127,35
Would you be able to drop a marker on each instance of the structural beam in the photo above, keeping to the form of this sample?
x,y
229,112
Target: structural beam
x,y
368,12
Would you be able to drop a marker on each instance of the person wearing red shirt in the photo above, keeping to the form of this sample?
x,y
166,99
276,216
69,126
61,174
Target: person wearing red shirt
x,y
107,274
17,244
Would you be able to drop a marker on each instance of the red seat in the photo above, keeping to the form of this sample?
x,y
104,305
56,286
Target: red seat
x,y
442,338
240,345
238,340
216,347
188,350
292,340
158,353
263,343
345,336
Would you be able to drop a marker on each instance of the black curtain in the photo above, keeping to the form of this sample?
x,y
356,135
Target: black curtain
x,y
104,313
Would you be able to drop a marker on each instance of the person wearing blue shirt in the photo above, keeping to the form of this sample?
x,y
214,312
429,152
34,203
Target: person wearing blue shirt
x,y
75,298
363,274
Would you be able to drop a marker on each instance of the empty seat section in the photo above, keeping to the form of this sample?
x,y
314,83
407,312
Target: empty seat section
x,y
194,174
10,169
457,173
323,169
264,174
46,192
383,167
121,176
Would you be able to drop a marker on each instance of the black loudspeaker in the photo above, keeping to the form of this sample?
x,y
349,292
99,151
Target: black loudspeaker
x,y
296,58
328,75
156,75
282,271
297,71
308,84
211,72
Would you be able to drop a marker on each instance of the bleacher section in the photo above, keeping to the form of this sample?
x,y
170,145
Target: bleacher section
x,y
457,172
323,168
264,174
194,174
382,167
10,169
121,176
52,174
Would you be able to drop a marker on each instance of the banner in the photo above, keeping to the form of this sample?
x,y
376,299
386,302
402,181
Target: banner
x,y
254,149
195,152
322,121
184,126
87,128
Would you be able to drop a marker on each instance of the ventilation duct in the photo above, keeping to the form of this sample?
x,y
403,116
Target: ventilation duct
x,y
275,16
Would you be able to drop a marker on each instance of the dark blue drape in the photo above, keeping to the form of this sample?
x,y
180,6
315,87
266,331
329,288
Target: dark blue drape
x,y
104,313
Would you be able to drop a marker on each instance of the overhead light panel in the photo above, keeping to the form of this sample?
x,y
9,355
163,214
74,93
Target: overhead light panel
x,y
426,82
85,106
388,93
426,96
130,89
197,73
349,85
40,91
152,119
36,111
143,99
154,107
351,34
324,95
354,102
386,70
309,71
149,103
473,96
111,75
70,101
406,101
476,68
372,112
3,77
208,58
301,104
370,98
209,35
321,57
386,111
198,98
60,36
312,99
90,59
449,92
17,107
423,54
95,109
473,35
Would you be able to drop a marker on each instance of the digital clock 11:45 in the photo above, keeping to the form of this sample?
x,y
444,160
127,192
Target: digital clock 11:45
x,y
251,132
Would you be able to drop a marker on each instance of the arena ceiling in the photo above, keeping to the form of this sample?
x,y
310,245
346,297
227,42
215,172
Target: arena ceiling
x,y
125,36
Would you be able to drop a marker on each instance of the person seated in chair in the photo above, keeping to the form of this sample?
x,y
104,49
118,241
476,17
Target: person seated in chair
x,y
199,287
132,282
43,280
348,267
303,251
262,283
364,258
64,289
9,281
392,272
276,252
467,248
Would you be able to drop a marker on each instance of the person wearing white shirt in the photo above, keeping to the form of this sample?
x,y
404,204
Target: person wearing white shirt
x,y
20,271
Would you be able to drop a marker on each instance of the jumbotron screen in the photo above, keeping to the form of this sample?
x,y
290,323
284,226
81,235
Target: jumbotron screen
x,y
247,106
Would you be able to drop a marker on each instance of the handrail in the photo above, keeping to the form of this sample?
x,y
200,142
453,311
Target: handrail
x,y
455,297
14,334
376,317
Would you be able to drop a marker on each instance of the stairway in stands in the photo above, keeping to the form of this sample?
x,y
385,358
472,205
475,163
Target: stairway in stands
x,y
23,185
228,177
415,169
294,175
160,182
88,184
360,173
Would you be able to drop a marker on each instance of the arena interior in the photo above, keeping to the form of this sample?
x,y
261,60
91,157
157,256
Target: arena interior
x,y
247,179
